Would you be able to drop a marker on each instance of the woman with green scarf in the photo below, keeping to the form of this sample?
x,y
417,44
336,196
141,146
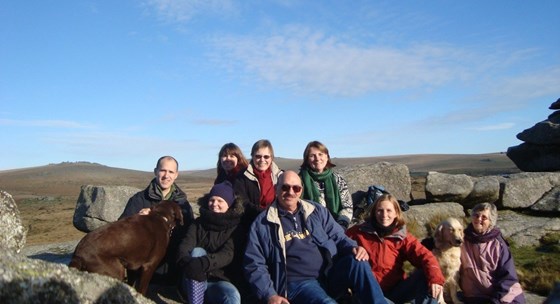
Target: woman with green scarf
x,y
322,185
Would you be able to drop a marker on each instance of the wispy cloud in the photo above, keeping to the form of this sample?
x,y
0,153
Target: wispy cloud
x,y
182,11
214,122
312,62
526,87
495,127
45,123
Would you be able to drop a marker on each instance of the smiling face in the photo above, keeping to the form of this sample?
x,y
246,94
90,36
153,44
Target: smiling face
x,y
228,162
289,190
317,160
262,159
217,204
385,213
166,173
481,221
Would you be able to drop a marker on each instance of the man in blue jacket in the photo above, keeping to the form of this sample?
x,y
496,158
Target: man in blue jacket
x,y
297,253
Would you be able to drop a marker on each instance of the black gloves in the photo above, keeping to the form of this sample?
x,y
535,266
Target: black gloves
x,y
196,269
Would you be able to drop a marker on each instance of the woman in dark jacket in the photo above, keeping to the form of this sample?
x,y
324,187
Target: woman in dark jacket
x,y
231,162
210,248
256,185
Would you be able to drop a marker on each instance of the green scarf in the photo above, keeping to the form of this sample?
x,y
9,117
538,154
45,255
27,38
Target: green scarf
x,y
311,192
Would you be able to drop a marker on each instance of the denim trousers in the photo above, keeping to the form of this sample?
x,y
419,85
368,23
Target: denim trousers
x,y
217,292
346,273
413,289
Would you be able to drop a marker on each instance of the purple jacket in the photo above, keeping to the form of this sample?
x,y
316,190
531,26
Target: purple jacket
x,y
487,269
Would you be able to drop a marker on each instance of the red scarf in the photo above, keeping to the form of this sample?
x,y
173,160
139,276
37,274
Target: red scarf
x,y
267,187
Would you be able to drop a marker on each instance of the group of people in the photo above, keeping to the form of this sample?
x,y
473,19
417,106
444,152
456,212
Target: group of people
x,y
265,235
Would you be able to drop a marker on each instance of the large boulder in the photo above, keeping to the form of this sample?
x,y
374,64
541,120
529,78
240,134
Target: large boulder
x,y
12,232
526,230
535,158
394,177
24,280
550,202
422,215
441,187
99,205
540,150
522,190
486,189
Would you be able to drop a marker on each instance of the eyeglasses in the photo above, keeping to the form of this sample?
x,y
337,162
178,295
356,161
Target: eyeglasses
x,y
296,188
262,156
482,217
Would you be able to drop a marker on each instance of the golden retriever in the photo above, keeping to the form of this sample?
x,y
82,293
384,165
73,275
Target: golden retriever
x,y
448,237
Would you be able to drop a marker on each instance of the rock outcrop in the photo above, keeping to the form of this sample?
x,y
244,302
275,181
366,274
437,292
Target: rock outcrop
x,y
24,280
12,232
530,190
99,205
394,177
540,150
528,203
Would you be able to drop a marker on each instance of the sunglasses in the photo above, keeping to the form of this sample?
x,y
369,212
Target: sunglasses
x,y
296,188
262,156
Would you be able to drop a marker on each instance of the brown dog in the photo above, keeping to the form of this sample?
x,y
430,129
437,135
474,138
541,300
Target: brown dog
x,y
448,238
138,242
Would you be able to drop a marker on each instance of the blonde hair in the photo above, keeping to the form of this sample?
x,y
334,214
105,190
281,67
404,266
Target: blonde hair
x,y
399,220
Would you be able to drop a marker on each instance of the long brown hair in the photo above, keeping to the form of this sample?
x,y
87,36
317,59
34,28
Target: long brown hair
x,y
231,149
319,146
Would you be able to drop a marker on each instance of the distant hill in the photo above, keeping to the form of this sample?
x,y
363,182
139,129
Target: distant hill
x,y
419,164
66,178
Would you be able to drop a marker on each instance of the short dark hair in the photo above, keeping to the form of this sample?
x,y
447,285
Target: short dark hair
x,y
167,157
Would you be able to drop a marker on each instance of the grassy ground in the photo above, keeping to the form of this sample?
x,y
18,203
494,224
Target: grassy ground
x,y
539,267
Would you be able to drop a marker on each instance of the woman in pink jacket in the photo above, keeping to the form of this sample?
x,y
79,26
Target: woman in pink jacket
x,y
487,270
389,245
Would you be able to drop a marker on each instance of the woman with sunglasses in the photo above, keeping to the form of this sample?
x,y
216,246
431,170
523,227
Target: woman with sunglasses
x,y
322,185
231,162
487,270
256,185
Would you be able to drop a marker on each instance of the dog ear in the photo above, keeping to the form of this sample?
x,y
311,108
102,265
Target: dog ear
x,y
437,232
179,214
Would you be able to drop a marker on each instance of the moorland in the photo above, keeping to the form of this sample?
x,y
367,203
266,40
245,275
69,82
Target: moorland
x,y
46,198
46,195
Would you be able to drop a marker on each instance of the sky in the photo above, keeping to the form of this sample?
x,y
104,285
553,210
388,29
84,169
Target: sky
x,y
122,83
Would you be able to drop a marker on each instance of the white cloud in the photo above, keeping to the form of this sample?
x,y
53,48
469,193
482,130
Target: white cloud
x,y
528,86
500,126
214,122
312,62
45,123
182,11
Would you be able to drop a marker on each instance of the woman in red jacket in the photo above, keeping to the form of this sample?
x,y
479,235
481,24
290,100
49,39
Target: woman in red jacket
x,y
389,245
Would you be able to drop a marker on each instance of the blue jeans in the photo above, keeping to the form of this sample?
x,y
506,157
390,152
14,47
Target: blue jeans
x,y
215,292
346,273
308,291
413,289
349,273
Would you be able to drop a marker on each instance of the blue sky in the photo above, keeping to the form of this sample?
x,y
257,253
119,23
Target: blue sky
x,y
122,83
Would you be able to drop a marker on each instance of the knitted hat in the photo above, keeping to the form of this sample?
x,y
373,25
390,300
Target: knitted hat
x,y
225,191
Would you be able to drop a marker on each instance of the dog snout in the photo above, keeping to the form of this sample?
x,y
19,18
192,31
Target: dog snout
x,y
458,242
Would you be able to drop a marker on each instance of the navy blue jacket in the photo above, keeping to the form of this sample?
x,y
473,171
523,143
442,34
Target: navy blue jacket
x,y
265,258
